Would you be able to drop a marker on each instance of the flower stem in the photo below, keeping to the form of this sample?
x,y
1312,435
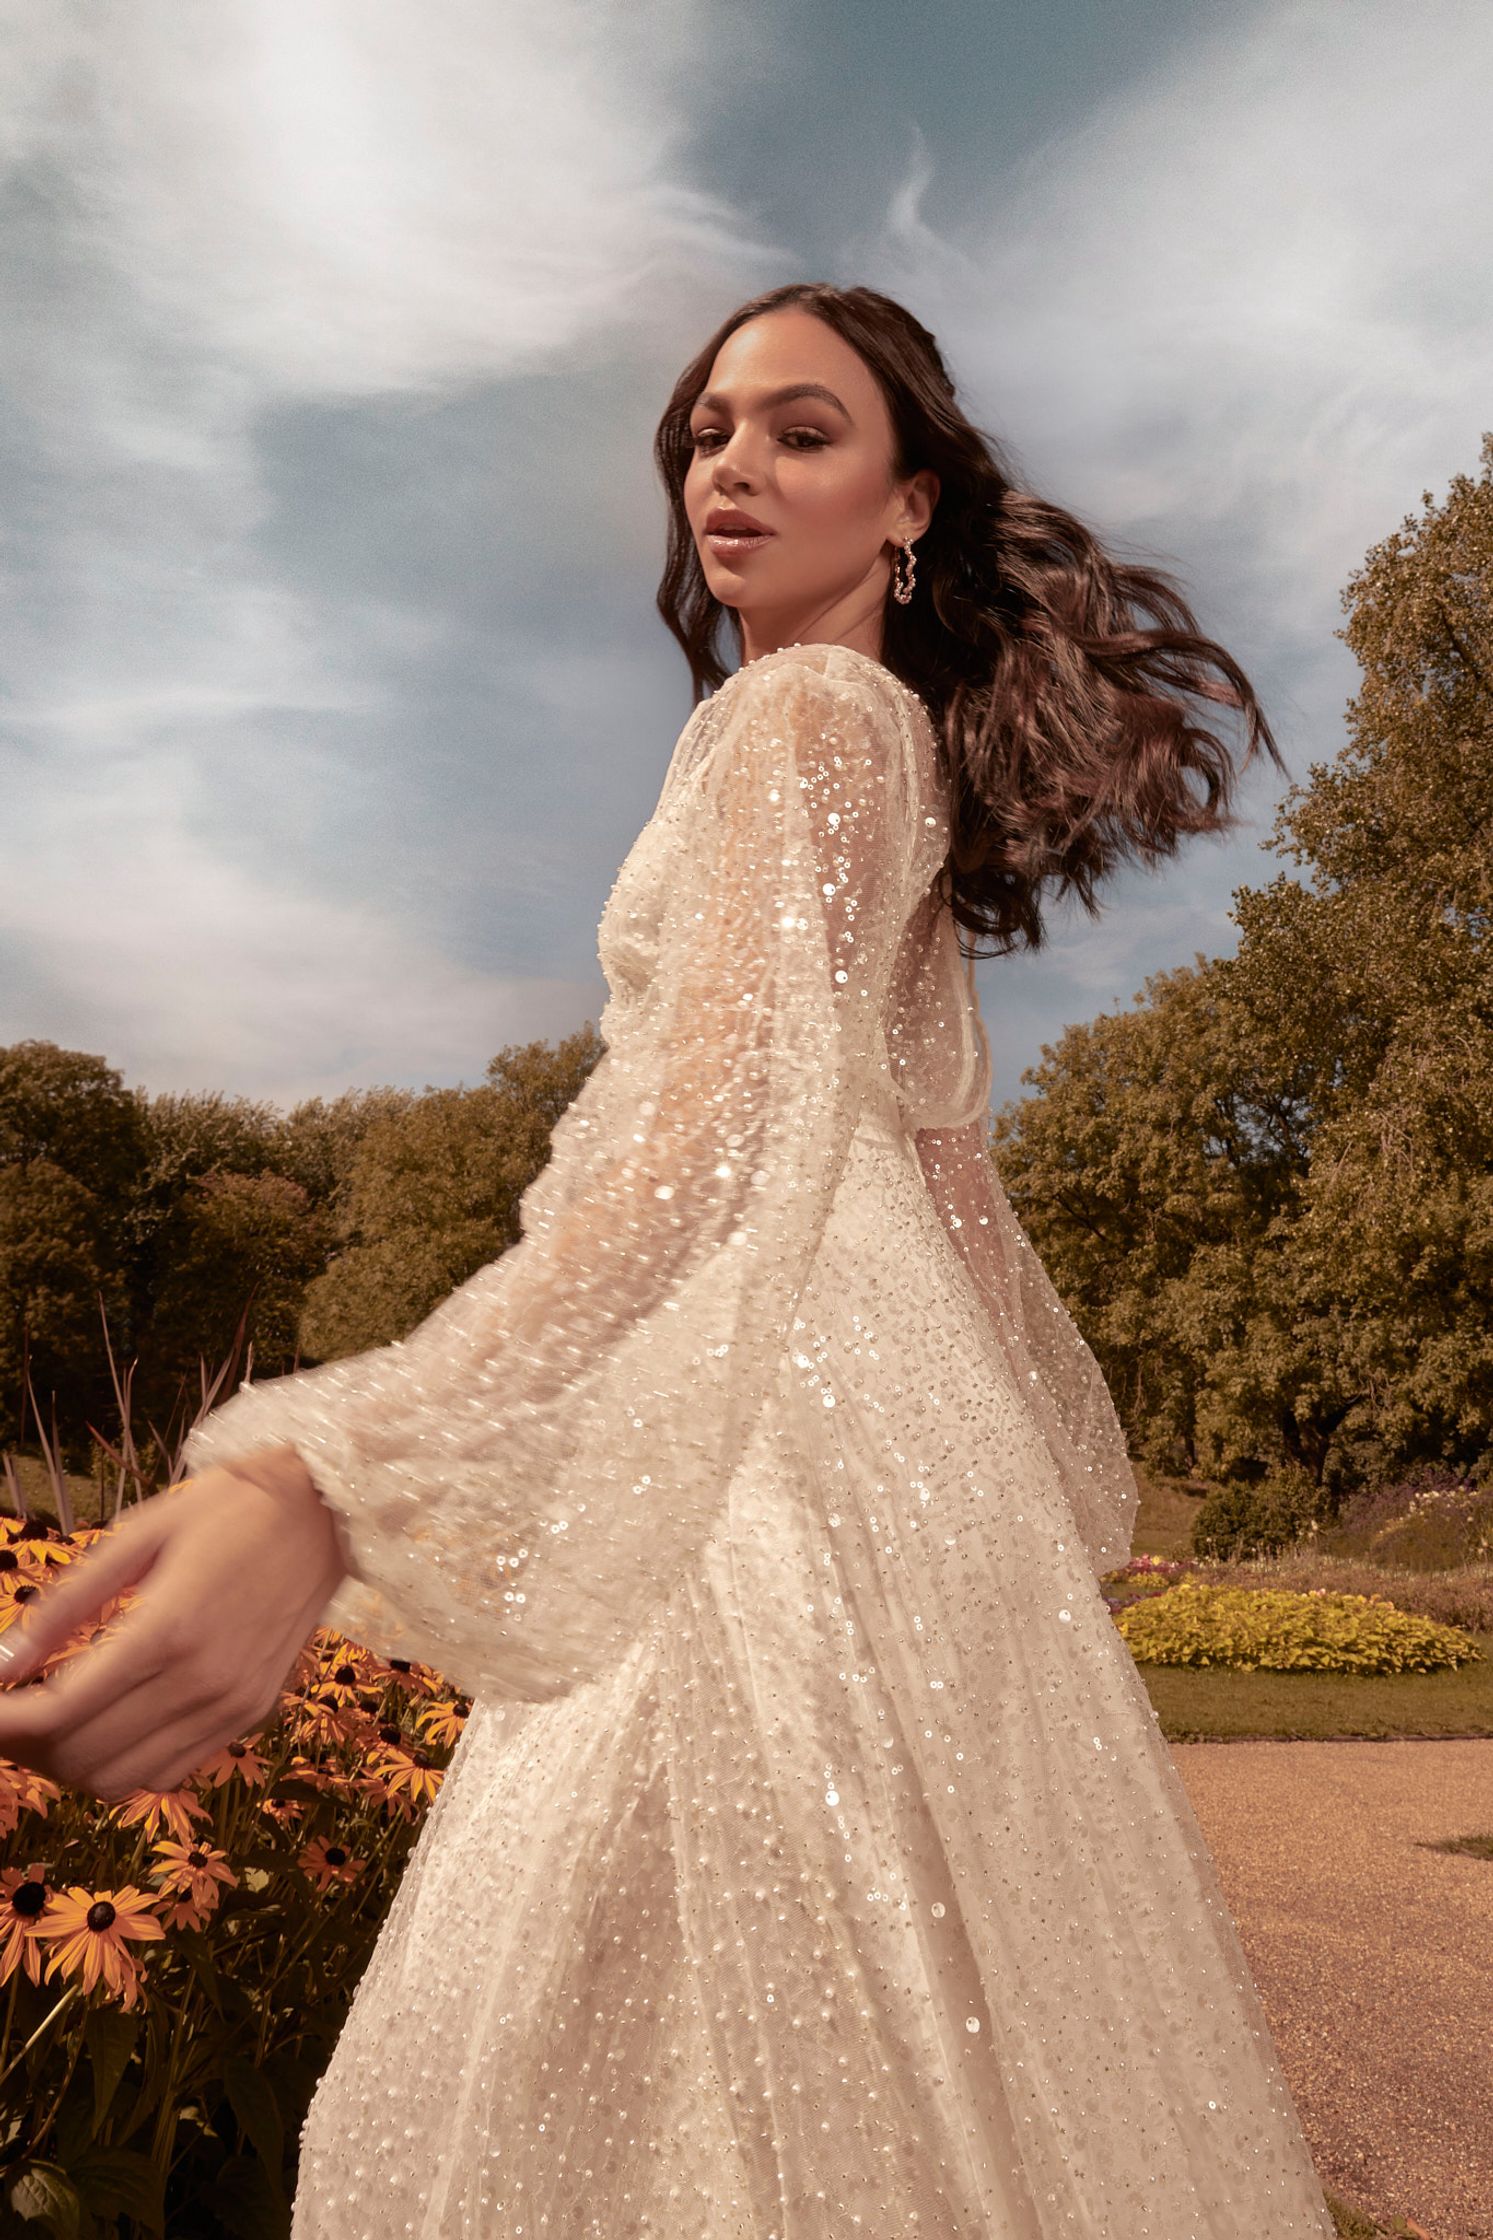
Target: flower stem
x,y
45,2023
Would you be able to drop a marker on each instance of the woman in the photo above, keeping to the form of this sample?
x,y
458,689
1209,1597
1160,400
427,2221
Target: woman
x,y
811,1863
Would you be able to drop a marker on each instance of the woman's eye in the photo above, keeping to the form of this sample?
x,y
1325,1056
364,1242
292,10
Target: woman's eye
x,y
801,439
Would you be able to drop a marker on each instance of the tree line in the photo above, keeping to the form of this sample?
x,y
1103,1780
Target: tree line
x,y
1265,1190
166,1219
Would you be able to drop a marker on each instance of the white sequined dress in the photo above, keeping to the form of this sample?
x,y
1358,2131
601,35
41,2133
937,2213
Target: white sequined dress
x,y
812,1864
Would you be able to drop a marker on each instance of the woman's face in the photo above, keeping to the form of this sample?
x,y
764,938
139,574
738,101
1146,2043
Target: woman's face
x,y
813,470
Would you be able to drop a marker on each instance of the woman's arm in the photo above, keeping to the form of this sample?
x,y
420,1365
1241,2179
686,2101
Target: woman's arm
x,y
1054,1370
520,1481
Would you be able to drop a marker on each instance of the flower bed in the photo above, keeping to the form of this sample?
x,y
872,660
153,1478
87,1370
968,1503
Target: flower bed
x,y
175,1967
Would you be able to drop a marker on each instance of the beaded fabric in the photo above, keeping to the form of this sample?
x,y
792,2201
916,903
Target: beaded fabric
x,y
812,1863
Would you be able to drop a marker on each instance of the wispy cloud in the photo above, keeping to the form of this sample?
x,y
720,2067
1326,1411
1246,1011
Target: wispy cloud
x,y
335,334
1239,319
1244,311
218,218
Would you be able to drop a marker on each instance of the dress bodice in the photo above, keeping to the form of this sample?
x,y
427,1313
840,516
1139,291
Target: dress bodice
x,y
937,1056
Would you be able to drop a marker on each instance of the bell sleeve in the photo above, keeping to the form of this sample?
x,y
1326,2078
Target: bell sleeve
x,y
518,1484
1054,1370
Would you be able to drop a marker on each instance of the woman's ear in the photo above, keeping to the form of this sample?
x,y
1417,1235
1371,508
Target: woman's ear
x,y
918,500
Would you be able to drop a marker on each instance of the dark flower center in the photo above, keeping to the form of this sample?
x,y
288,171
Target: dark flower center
x,y
101,1915
345,1675
336,1856
389,1732
9,1560
399,1664
28,1898
196,1858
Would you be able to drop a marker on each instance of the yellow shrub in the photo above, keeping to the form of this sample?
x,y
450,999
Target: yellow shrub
x,y
1273,1629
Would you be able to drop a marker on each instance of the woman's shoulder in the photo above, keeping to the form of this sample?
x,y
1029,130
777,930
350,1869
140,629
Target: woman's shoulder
x,y
823,670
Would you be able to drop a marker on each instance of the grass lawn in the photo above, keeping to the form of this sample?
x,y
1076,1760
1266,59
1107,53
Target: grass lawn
x,y
1205,1706
1213,1706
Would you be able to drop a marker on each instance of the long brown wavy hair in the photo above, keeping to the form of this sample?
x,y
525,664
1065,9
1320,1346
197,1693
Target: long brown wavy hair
x,y
1058,679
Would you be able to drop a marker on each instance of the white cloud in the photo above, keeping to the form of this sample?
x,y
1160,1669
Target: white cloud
x,y
205,973
349,196
1238,318
1245,306
224,213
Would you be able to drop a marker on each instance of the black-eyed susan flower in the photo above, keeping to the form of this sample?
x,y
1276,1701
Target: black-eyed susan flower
x,y
236,1761
22,1790
326,1863
23,1900
415,1678
410,1774
284,1811
320,1718
443,1721
347,1678
158,1809
195,1870
91,1931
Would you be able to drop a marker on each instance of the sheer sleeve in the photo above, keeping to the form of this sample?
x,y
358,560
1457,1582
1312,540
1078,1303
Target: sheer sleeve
x,y
519,1482
1057,1373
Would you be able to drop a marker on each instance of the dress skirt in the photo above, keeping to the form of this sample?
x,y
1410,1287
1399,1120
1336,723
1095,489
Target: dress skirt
x,y
861,1898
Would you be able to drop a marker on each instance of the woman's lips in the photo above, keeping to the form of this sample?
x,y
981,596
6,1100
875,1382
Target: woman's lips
x,y
732,543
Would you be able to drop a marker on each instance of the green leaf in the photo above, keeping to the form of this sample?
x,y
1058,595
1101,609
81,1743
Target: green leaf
x,y
247,2202
43,2194
119,2182
253,2101
198,1953
109,2039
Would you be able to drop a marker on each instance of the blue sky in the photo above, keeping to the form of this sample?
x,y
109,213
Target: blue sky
x,y
334,690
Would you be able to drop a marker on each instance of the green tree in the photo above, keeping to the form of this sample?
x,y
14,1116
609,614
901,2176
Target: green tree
x,y
72,1147
233,1241
1267,1190
1379,966
433,1194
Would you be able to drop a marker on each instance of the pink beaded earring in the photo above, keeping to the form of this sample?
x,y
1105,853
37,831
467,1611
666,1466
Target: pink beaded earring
x,y
902,587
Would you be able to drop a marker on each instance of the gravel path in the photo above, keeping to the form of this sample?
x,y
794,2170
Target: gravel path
x,y
1373,1953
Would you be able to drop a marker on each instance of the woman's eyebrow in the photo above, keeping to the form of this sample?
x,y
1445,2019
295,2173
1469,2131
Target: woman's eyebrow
x,y
713,401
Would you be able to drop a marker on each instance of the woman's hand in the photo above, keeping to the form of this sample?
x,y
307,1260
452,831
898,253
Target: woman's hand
x,y
231,1572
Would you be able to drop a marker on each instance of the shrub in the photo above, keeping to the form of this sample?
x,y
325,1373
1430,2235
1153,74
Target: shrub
x,y
1243,1521
1269,1629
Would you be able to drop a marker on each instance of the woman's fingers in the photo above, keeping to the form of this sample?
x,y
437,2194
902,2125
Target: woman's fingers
x,y
162,1759
73,1597
232,1590
129,1675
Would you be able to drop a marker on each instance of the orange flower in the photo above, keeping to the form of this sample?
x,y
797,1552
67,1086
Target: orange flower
x,y
17,1564
194,1870
325,1863
241,1760
410,1775
444,1721
283,1810
21,1790
182,1913
416,1679
346,1677
23,1899
157,1807
319,1718
91,1928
